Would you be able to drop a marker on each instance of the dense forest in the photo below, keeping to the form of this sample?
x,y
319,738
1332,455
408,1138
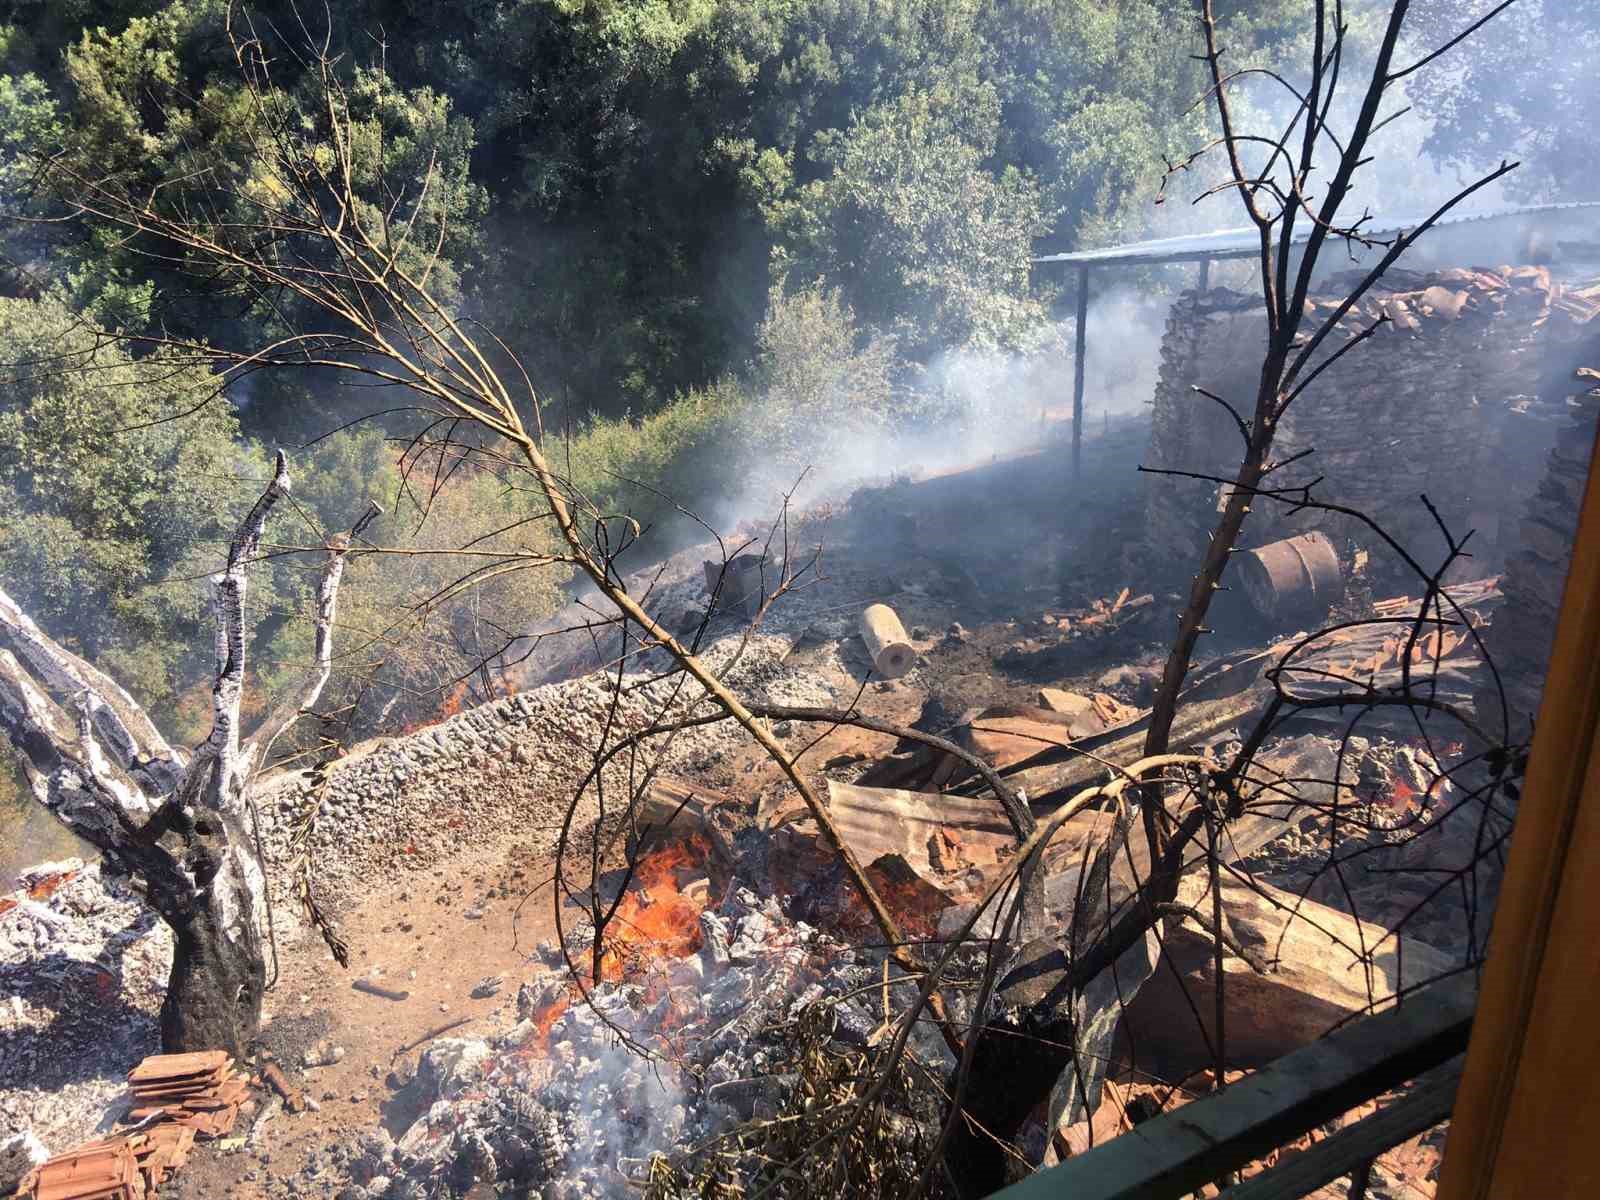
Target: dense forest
x,y
712,230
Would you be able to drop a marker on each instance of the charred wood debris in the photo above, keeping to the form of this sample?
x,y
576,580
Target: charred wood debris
x,y
737,1027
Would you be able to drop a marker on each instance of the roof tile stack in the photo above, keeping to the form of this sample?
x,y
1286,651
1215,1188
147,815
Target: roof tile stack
x,y
98,1171
184,1095
198,1090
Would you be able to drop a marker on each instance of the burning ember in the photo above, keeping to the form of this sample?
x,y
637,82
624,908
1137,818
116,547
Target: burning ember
x,y
559,1108
656,917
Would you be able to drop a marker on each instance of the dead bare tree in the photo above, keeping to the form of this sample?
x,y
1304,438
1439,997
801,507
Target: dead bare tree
x,y
363,264
1272,176
180,823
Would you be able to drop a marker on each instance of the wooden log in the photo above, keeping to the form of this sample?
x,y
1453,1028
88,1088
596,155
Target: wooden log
x,y
890,649
375,989
673,807
293,1100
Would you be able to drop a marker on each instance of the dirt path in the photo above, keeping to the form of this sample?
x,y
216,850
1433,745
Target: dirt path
x,y
434,935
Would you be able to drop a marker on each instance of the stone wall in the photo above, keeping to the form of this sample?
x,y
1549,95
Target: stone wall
x,y
1459,397
500,774
1524,626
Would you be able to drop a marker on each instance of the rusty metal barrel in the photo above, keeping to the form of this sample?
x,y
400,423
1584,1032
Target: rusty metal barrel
x,y
1298,576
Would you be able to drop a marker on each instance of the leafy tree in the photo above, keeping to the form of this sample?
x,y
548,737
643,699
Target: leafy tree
x,y
144,103
824,383
112,471
627,180
924,238
1523,89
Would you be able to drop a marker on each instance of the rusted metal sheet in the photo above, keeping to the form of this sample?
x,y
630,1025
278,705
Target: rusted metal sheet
x,y
932,832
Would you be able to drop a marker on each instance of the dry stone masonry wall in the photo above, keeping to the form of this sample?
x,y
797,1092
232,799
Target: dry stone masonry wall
x,y
1459,396
508,768
1525,624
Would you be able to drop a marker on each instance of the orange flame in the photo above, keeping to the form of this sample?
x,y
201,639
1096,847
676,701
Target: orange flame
x,y
1401,795
543,1021
449,707
656,919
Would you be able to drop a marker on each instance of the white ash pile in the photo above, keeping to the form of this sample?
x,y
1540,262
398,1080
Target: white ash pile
x,y
560,1107
83,969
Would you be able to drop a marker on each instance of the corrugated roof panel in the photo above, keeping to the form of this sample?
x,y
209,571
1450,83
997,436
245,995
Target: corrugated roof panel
x,y
1241,243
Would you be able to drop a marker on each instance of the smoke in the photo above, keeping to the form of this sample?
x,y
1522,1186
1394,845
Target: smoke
x,y
1409,173
973,405
967,407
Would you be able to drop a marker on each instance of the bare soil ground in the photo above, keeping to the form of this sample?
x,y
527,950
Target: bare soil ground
x,y
415,930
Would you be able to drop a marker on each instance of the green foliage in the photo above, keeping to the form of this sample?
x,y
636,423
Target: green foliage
x,y
723,235
822,380
112,470
928,241
681,454
1520,89
29,119
619,184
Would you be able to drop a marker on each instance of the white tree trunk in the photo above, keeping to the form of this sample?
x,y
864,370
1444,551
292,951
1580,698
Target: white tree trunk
x,y
177,822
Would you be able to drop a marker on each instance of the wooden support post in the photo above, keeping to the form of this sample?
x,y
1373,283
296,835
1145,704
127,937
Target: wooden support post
x,y
1205,274
1527,1094
1077,375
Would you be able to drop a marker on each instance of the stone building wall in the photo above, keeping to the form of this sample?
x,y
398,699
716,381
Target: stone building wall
x,y
1459,397
1524,625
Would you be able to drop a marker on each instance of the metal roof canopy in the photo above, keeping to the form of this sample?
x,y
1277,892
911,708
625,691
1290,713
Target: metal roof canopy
x,y
1246,243
1228,243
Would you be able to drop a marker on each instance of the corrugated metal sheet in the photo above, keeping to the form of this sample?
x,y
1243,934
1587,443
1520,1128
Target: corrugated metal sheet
x,y
1242,243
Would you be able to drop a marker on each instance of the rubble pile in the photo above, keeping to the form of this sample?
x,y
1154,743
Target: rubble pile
x,y
562,1108
726,937
176,1098
83,970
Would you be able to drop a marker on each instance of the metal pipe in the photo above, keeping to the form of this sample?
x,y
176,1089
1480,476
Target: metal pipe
x,y
891,651
1077,373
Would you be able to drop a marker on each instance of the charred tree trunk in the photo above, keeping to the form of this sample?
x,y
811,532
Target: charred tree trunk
x,y
215,989
174,821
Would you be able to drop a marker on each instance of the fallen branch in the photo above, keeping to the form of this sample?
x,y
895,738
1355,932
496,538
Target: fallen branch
x,y
429,1036
293,1098
376,989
